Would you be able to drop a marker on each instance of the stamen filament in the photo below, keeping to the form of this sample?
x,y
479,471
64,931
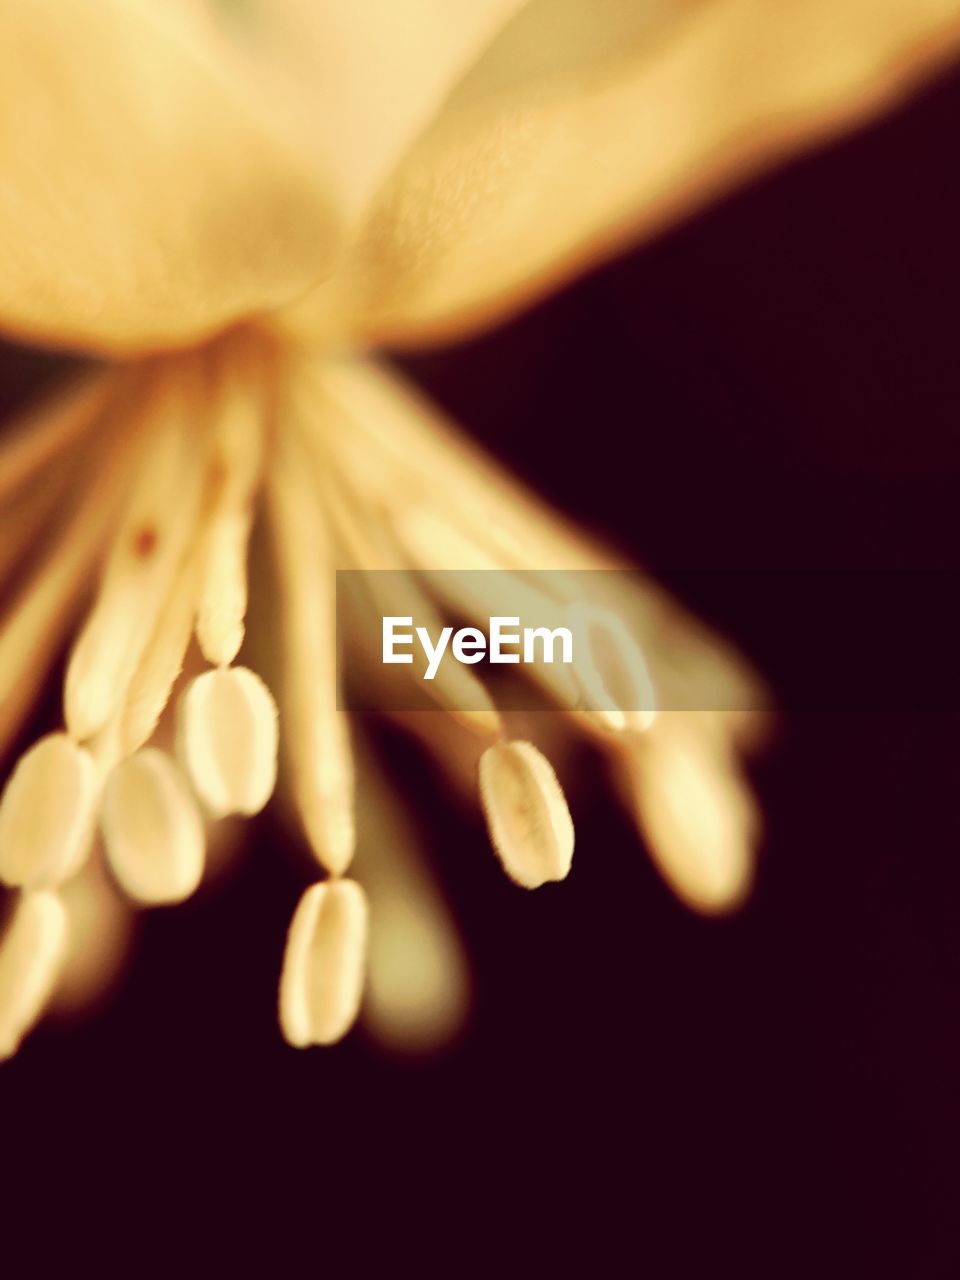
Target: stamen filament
x,y
31,952
418,984
316,730
238,442
691,804
32,630
157,530
50,427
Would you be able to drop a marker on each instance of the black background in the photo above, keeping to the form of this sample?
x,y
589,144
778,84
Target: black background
x,y
773,385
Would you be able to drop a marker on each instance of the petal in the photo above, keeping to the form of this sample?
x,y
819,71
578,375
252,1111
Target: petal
x,y
143,200
359,82
585,127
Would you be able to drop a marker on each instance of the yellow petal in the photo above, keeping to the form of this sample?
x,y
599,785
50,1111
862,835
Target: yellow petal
x,y
144,201
359,81
586,126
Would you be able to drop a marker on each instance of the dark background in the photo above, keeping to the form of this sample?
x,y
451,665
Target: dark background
x,y
773,385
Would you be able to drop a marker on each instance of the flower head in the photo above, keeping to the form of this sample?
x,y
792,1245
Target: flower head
x,y
219,208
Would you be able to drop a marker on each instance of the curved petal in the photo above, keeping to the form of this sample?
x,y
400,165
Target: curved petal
x,y
142,201
586,126
358,81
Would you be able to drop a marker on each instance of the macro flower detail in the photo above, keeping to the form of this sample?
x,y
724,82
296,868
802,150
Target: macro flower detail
x,y
225,217
530,823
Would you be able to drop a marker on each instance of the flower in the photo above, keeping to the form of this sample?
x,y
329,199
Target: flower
x,y
227,207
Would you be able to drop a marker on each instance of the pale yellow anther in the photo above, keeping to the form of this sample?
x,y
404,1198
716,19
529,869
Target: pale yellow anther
x,y
324,964
227,740
46,813
31,952
527,816
316,732
152,829
699,819
611,669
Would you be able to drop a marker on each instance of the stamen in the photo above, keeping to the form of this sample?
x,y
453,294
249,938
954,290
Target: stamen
x,y
30,956
100,929
443,468
611,670
50,427
46,813
323,966
223,599
26,517
149,689
238,452
139,577
527,816
152,829
33,629
371,546
454,748
698,818
418,982
436,547
227,740
316,730
424,463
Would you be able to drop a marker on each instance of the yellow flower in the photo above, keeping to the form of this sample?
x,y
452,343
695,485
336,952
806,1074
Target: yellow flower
x,y
228,205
